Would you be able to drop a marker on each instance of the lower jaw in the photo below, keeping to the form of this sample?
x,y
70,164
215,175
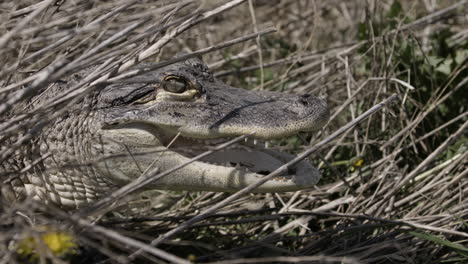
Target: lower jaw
x,y
253,164
249,158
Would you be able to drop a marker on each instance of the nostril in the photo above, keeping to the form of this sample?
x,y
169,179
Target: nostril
x,y
303,102
303,99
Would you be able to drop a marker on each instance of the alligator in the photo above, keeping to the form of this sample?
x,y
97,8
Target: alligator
x,y
161,119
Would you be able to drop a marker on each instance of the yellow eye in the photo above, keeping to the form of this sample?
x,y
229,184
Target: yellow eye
x,y
175,85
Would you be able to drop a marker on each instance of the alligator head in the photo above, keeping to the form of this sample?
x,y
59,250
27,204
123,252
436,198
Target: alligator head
x,y
159,120
165,117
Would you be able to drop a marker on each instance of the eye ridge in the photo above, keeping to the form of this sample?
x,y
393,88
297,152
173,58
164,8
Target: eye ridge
x,y
175,84
137,96
144,98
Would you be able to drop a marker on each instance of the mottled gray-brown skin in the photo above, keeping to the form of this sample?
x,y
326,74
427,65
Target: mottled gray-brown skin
x,y
159,120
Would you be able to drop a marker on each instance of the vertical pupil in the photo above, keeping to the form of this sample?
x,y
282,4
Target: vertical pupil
x,y
175,86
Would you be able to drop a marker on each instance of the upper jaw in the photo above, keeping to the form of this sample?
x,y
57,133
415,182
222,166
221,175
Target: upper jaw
x,y
228,112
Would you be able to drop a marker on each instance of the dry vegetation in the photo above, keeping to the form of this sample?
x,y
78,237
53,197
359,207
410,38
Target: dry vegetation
x,y
394,189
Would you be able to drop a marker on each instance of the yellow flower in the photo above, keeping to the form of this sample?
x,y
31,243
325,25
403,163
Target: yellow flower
x,y
59,243
356,163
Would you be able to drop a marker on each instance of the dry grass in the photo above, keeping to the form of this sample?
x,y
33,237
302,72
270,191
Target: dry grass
x,y
394,189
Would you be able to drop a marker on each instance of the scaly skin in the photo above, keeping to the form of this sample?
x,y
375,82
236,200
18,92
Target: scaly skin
x,y
119,131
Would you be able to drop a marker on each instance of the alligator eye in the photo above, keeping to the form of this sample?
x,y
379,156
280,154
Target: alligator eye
x,y
175,85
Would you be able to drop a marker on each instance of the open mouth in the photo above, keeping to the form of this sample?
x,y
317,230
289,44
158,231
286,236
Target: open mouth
x,y
229,169
251,156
